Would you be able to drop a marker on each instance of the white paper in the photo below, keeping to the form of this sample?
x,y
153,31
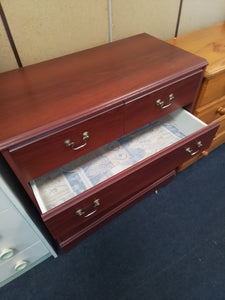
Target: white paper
x,y
85,172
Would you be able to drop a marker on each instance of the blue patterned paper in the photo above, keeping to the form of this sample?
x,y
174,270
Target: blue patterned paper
x,y
101,164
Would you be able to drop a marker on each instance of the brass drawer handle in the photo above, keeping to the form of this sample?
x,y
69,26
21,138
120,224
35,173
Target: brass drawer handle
x,y
84,214
70,144
192,152
221,110
160,102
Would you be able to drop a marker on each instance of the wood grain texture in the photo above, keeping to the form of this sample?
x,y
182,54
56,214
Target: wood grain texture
x,y
211,111
75,236
208,43
144,110
50,94
213,88
62,220
51,151
44,104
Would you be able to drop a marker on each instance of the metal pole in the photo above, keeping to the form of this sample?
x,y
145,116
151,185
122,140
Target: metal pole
x,y
178,18
9,35
110,19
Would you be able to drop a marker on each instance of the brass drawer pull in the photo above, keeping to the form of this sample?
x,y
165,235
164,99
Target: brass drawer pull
x,y
192,152
160,102
221,110
84,214
69,143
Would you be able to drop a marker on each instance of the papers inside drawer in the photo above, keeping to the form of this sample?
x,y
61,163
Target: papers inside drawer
x,y
70,180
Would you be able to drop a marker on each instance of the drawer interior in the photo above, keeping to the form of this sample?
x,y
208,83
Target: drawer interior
x,y
79,175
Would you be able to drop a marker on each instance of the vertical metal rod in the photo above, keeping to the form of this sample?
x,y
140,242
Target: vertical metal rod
x,y
9,35
110,19
178,18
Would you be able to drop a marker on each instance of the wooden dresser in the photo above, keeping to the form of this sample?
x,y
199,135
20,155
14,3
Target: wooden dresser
x,y
93,132
209,43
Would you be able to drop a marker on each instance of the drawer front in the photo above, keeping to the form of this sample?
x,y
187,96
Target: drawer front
x,y
212,111
75,237
15,232
212,88
150,107
50,152
217,141
22,261
84,209
222,125
88,208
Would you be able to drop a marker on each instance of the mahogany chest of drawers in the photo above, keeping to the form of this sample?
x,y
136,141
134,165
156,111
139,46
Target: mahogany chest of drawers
x,y
209,43
93,132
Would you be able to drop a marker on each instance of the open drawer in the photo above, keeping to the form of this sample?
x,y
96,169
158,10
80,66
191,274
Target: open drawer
x,y
79,191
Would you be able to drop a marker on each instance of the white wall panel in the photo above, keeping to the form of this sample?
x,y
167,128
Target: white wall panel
x,y
154,17
197,14
43,29
7,59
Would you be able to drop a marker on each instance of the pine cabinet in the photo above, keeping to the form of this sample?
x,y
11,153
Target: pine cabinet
x,y
209,43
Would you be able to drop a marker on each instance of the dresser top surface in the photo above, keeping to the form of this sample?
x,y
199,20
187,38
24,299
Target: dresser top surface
x,y
208,43
50,94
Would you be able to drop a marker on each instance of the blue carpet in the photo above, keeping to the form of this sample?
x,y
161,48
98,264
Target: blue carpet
x,y
170,246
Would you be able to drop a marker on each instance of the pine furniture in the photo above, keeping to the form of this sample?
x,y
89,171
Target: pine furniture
x,y
208,43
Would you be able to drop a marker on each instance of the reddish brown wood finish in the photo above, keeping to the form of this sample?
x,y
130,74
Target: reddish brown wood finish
x,y
49,152
144,110
76,236
108,91
62,220
42,97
